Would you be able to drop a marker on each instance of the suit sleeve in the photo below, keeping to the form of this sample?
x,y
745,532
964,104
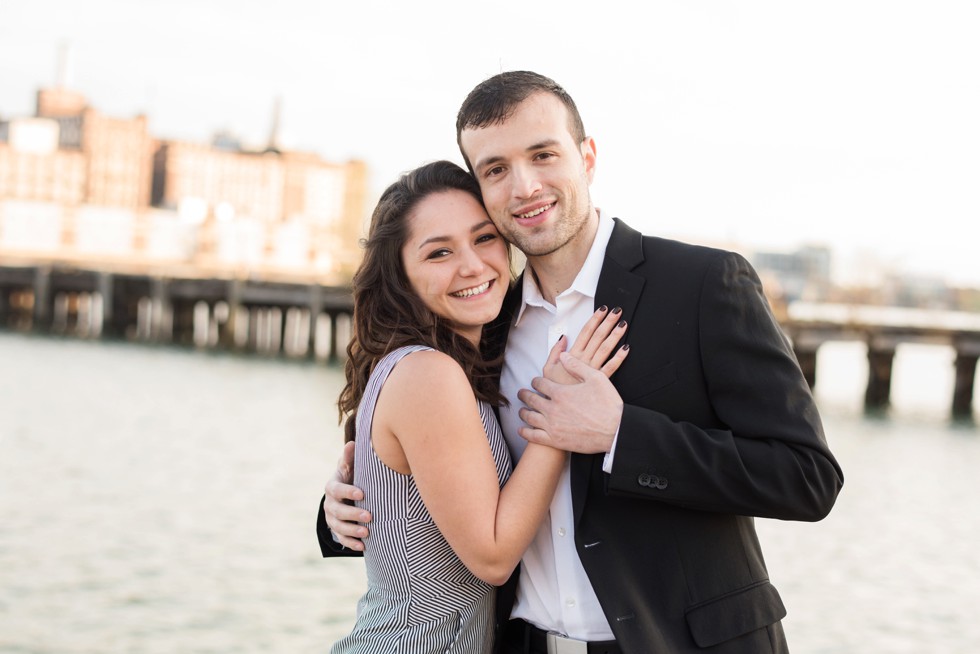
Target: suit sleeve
x,y
328,546
763,451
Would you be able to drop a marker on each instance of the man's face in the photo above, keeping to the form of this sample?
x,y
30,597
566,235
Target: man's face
x,y
534,177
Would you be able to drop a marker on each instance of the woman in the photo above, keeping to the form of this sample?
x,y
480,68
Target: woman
x,y
418,402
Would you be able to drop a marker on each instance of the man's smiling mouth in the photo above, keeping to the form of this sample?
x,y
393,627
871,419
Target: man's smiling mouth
x,y
535,212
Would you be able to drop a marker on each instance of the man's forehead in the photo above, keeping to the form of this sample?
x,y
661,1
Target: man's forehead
x,y
535,123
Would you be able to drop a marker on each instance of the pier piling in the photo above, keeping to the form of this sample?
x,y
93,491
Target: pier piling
x,y
965,366
880,362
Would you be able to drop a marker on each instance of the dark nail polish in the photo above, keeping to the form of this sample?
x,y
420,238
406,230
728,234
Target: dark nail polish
x,y
621,324
617,309
626,347
603,308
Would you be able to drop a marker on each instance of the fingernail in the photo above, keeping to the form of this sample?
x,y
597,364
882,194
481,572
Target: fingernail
x,y
621,324
626,346
559,338
617,309
602,308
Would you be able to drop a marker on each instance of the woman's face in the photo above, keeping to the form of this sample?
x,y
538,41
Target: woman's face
x,y
456,261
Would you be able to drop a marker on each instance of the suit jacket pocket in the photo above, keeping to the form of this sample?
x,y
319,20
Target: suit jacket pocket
x,y
634,387
735,614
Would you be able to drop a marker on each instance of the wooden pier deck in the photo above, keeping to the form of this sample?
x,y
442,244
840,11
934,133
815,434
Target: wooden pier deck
x,y
882,330
285,312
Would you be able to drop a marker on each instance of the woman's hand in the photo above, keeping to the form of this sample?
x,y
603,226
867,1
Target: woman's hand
x,y
574,406
594,344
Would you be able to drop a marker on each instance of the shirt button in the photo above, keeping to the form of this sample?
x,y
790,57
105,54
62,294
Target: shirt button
x,y
570,601
561,531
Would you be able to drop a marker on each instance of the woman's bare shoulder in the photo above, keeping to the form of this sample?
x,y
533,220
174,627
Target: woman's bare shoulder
x,y
427,378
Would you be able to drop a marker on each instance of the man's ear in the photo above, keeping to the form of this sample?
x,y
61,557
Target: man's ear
x,y
588,156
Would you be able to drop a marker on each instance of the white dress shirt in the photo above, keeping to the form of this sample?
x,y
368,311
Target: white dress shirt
x,y
554,592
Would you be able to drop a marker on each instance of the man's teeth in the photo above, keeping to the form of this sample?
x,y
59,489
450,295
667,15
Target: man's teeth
x,y
468,292
532,214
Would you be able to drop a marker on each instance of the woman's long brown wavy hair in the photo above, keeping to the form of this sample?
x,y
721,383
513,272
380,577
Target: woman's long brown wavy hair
x,y
387,312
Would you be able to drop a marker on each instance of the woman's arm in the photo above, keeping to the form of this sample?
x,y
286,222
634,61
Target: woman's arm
x,y
427,423
428,414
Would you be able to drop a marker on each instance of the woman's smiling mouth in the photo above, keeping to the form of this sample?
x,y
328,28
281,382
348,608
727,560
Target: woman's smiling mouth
x,y
475,290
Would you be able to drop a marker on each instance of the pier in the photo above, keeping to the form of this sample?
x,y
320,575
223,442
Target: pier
x,y
882,330
289,314
273,313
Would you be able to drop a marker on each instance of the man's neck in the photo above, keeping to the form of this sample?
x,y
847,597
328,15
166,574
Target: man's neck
x,y
554,273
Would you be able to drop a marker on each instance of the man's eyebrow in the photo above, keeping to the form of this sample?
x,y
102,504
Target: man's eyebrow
x,y
440,239
547,143
483,163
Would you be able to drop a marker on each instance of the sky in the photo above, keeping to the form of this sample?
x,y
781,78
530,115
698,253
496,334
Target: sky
x,y
754,124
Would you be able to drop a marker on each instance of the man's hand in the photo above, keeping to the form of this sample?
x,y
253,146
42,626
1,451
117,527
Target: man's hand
x,y
578,417
341,516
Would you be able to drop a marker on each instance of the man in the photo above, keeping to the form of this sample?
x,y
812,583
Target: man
x,y
650,544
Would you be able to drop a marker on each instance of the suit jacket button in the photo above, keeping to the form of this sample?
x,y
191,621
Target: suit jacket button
x,y
652,481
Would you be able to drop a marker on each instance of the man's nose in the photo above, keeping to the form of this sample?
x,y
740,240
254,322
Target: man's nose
x,y
525,181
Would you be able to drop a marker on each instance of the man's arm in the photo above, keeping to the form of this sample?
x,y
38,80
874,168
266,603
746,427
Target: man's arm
x,y
757,449
338,522
769,457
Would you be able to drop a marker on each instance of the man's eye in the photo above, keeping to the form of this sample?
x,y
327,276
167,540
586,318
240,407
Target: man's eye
x,y
496,170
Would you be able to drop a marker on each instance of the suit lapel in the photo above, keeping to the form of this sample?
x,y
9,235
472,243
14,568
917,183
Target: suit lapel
x,y
498,331
618,287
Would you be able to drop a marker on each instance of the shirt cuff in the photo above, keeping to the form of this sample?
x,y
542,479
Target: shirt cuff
x,y
607,461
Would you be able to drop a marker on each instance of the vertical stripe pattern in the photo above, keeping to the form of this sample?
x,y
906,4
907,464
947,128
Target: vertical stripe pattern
x,y
420,597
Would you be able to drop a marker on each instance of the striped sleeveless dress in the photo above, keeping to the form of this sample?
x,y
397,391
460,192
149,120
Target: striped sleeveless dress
x,y
420,597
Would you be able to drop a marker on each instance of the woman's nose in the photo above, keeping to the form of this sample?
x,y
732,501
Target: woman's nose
x,y
471,264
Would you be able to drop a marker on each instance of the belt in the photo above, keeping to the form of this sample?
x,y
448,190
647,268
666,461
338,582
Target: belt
x,y
532,640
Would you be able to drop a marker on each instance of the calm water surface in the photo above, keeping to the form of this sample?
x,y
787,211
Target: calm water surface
x,y
162,500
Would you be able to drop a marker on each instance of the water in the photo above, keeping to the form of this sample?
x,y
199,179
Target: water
x,y
162,500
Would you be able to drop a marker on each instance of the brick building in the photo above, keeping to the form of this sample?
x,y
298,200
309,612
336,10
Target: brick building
x,y
69,164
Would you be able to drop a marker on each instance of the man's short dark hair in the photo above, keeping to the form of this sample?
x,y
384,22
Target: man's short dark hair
x,y
494,100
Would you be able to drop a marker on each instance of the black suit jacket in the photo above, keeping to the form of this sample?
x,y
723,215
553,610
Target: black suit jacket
x,y
719,426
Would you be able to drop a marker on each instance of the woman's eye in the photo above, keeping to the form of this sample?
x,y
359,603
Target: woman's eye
x,y
483,238
438,254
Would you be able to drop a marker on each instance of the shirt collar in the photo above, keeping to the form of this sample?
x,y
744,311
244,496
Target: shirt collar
x,y
587,279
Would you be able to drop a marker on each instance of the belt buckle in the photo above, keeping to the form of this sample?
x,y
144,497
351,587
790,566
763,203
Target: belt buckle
x,y
558,644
